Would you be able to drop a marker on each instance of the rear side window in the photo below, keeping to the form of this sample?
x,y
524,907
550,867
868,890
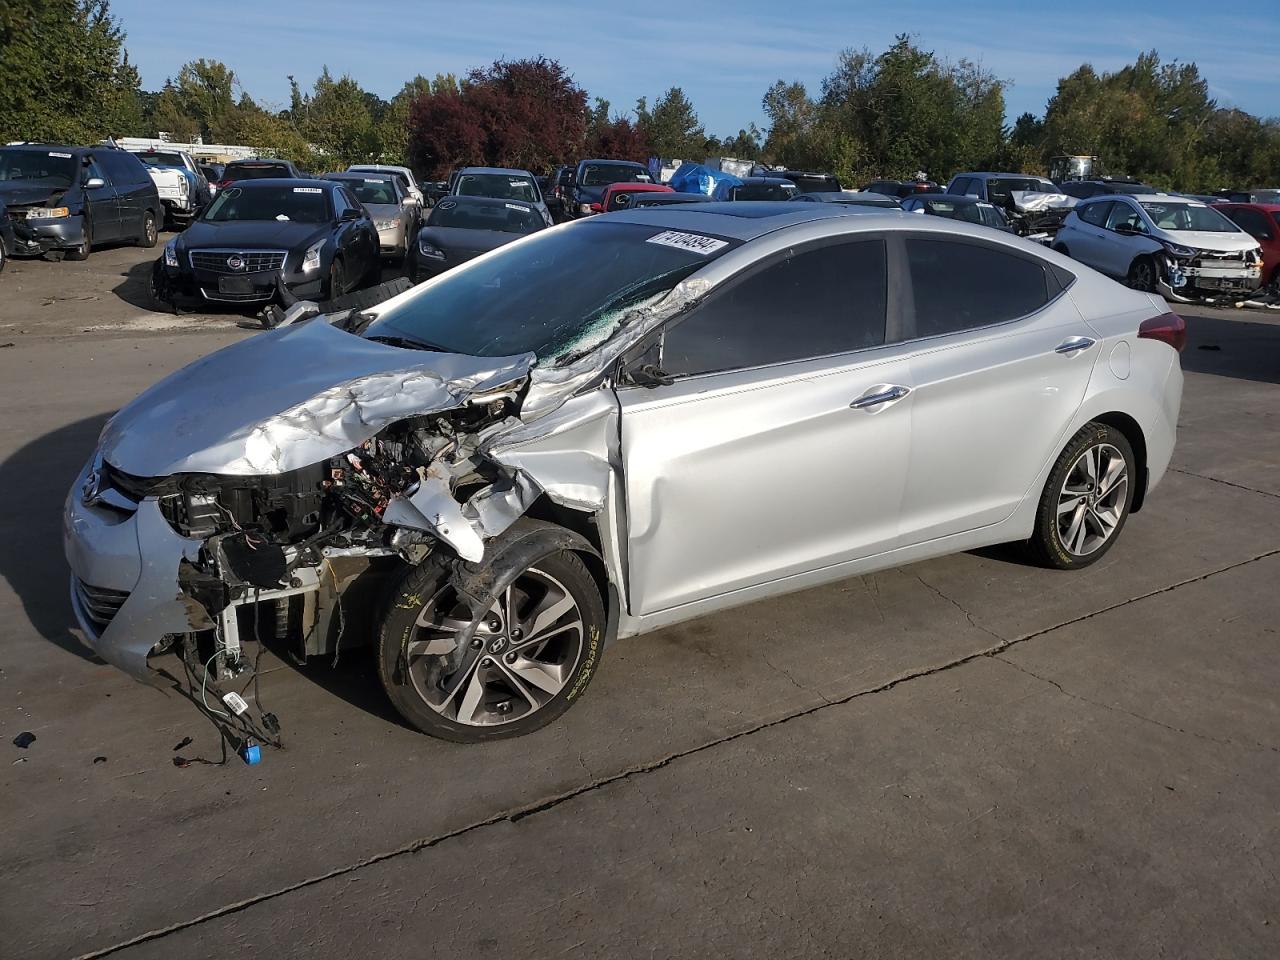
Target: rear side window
x,y
813,303
123,169
963,286
1095,213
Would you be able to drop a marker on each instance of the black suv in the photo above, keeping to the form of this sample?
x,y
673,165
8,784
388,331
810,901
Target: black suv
x,y
259,170
68,199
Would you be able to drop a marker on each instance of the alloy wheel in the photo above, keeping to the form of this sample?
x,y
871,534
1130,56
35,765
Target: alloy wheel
x,y
492,666
1093,499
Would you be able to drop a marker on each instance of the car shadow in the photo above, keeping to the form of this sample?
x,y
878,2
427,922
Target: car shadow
x,y
135,288
1242,349
38,476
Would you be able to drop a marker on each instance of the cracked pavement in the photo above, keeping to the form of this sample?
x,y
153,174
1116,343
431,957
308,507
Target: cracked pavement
x,y
968,757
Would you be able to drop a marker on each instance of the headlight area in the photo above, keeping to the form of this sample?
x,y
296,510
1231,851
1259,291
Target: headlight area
x,y
311,259
429,250
300,557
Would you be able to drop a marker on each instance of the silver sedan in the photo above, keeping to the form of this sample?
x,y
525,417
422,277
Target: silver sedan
x,y
725,403
394,212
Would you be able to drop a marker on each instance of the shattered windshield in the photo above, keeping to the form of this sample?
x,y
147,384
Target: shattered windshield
x,y
299,204
1185,216
57,167
517,301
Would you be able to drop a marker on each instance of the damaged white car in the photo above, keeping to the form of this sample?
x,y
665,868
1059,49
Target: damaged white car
x,y
494,474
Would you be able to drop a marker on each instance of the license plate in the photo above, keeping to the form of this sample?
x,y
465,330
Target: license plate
x,y
235,285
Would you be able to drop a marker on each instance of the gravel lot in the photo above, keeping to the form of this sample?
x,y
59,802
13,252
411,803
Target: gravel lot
x,y
968,757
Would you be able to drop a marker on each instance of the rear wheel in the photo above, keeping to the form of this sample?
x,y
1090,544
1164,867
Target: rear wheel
x,y
86,245
1086,499
500,656
1142,274
150,234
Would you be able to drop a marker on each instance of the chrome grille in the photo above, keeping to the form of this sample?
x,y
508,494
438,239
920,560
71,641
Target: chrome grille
x,y
100,605
254,261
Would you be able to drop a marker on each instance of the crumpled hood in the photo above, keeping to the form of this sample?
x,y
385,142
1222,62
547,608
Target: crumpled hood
x,y
252,234
17,193
1217,241
288,398
1029,201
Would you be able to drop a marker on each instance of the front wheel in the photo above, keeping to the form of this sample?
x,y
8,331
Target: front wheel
x,y
1086,499
1142,275
86,244
500,655
337,279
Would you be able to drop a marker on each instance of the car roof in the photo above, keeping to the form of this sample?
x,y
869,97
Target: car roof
x,y
284,182
498,170
989,174
744,220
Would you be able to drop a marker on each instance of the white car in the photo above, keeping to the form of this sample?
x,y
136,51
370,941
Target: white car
x,y
1182,248
404,173
182,186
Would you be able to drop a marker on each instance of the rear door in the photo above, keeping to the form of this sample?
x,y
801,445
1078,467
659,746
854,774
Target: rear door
x,y
1085,241
781,445
1000,359
124,170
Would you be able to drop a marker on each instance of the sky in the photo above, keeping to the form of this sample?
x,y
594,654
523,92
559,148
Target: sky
x,y
723,53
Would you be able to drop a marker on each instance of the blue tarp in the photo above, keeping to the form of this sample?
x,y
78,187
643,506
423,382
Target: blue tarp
x,y
696,178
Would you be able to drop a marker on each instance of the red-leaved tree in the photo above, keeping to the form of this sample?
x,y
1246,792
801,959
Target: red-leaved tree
x,y
527,114
619,139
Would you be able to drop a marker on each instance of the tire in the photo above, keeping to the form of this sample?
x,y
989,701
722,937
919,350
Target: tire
x,y
4,257
1075,525
1142,275
337,279
149,232
476,685
86,247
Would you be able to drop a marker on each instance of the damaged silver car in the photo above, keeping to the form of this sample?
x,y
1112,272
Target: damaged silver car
x,y
494,474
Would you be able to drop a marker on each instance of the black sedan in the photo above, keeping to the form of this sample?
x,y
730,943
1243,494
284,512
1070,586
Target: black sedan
x,y
461,228
311,237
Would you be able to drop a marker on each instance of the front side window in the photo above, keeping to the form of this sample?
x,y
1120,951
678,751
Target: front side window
x,y
1186,216
963,286
1095,214
1123,216
516,301
813,303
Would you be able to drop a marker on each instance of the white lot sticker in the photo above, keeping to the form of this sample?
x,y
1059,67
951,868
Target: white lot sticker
x,y
693,242
307,190
64,156
375,180
515,206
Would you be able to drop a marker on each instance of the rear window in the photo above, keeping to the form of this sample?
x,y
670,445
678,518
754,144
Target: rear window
x,y
764,191
256,171
157,159
373,190
507,218
603,174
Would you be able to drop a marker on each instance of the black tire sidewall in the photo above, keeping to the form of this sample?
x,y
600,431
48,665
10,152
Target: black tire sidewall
x,y
337,278
1146,261
151,237
421,583
86,247
1046,544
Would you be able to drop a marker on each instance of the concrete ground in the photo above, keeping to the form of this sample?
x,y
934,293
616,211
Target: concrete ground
x,y
968,757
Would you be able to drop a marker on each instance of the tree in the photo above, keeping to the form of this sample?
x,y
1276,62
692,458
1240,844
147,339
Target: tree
x,y
619,139
337,119
66,74
527,114
792,119
671,127
392,128
205,92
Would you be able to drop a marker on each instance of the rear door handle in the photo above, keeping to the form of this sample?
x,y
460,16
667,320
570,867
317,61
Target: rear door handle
x,y
1073,345
889,393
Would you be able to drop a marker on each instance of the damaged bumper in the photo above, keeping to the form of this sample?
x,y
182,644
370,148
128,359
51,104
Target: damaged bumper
x,y
1189,281
31,238
124,576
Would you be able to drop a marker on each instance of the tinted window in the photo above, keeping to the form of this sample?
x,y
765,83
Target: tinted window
x,y
122,169
257,171
1252,222
1095,213
961,286
960,186
811,304
283,203
55,167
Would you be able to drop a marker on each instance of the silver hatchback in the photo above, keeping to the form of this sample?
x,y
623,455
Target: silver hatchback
x,y
727,403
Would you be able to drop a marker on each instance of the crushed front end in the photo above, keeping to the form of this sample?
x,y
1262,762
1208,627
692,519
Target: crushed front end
x,y
1189,274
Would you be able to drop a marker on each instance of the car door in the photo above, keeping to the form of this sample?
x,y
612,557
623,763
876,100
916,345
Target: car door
x,y
352,238
125,171
780,443
1125,236
1085,240
999,361
104,209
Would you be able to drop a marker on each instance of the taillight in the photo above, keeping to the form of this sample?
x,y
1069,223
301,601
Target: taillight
x,y
1168,328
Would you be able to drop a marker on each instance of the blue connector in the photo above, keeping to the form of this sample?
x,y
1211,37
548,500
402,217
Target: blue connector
x,y
251,753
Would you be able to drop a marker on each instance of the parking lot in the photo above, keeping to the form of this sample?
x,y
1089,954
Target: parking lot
x,y
967,757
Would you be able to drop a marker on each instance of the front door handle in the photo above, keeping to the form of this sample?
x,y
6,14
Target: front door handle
x,y
1073,345
888,393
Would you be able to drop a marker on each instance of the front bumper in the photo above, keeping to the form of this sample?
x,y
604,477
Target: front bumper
x,y
34,237
391,241
184,283
1188,281
124,577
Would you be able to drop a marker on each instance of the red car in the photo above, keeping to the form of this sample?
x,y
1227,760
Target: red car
x,y
1262,222
617,196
